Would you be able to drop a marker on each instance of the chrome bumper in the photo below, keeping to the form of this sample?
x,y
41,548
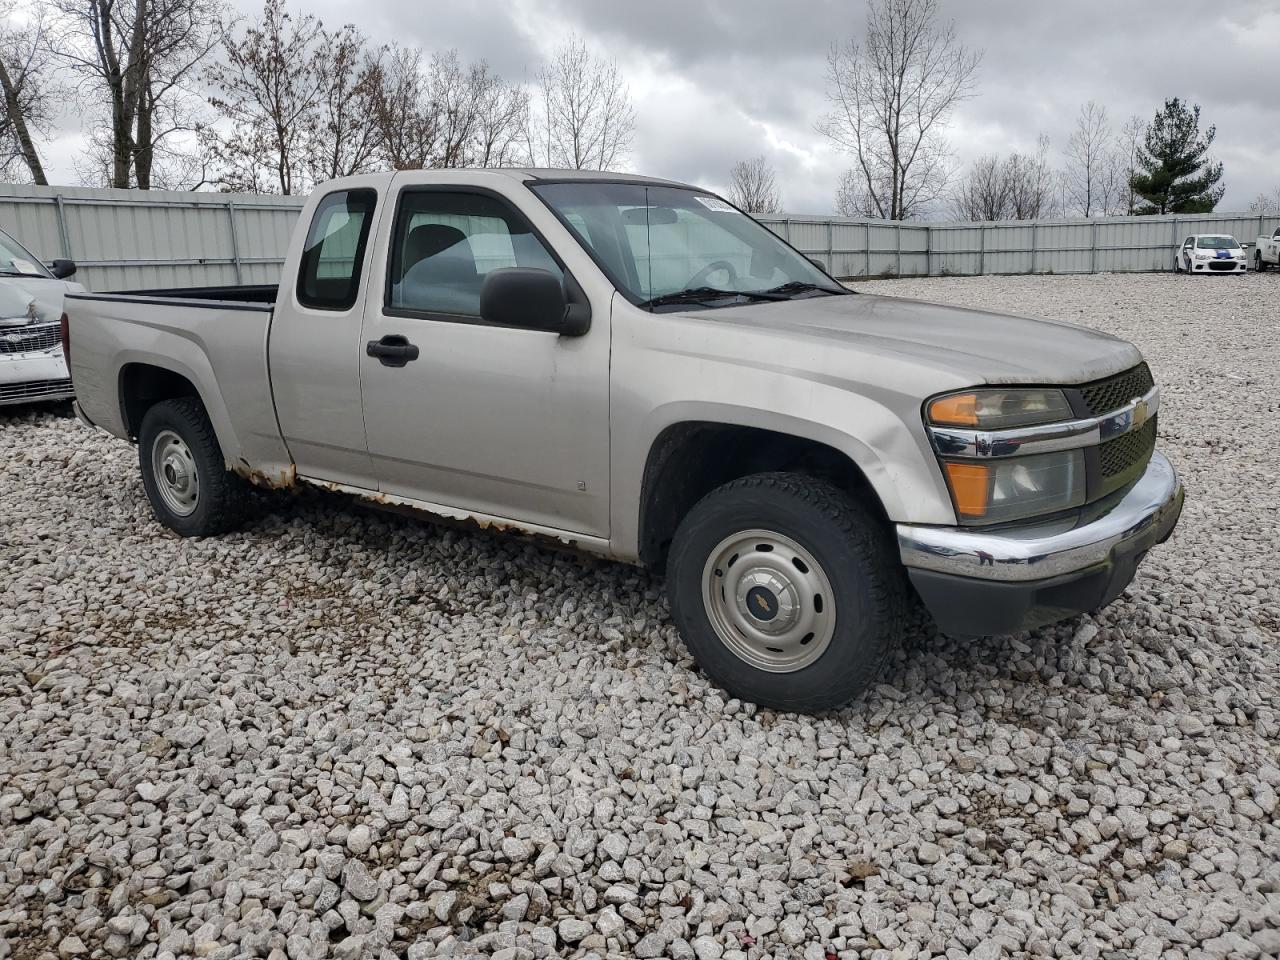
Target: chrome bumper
x,y
1143,517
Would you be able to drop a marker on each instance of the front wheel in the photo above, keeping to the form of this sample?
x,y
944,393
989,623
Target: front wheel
x,y
787,591
183,472
1258,263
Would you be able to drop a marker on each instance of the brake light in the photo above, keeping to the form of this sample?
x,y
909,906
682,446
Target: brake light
x,y
64,333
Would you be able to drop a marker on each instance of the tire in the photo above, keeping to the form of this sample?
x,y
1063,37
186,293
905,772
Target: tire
x,y
1259,264
183,472
830,574
1177,265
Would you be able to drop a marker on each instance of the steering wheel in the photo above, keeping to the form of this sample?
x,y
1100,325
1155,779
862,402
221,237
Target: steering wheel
x,y
699,279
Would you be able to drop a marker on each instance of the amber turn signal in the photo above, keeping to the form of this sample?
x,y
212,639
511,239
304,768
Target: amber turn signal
x,y
957,410
970,486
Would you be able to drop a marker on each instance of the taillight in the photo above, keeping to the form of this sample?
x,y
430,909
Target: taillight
x,y
64,332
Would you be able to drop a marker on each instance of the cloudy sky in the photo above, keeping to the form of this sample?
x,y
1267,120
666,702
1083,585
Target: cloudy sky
x,y
715,81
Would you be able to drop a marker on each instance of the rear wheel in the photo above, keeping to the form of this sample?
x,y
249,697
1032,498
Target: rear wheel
x,y
787,591
183,472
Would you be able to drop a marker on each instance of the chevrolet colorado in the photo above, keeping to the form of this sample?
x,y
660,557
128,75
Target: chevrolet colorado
x,y
635,367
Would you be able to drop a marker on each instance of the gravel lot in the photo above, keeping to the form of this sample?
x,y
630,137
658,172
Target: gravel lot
x,y
340,733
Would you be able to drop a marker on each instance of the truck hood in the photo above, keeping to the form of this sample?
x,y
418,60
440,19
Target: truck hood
x,y
978,346
18,293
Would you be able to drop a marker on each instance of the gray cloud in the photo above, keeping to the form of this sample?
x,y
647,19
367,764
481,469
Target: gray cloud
x,y
720,80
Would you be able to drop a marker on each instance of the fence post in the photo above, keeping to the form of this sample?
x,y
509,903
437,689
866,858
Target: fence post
x,y
1093,248
866,233
63,235
235,241
1035,234
928,250
1176,238
982,249
831,248
898,232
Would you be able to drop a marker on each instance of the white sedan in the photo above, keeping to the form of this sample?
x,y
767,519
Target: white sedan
x,y
1210,253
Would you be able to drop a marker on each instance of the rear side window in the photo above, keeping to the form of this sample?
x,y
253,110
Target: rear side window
x,y
330,275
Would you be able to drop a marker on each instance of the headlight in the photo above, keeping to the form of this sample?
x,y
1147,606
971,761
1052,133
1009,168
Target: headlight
x,y
1001,490
999,409
1202,256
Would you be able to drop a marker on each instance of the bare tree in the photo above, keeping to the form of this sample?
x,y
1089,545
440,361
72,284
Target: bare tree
x,y
137,59
1132,135
983,192
26,80
1090,171
752,187
408,123
585,119
1022,186
891,96
269,89
1267,204
344,134
447,114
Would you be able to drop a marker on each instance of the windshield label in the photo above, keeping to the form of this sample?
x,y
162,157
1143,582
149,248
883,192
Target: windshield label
x,y
25,266
715,203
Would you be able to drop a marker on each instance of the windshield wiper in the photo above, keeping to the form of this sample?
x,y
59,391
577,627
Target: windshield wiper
x,y
702,294
803,286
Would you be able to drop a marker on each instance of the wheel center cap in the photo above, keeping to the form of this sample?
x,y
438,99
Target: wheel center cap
x,y
762,603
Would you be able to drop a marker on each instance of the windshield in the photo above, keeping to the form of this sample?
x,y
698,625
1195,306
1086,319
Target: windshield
x,y
16,259
1216,243
680,245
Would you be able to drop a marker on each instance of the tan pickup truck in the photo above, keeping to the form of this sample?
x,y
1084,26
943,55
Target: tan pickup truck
x,y
635,367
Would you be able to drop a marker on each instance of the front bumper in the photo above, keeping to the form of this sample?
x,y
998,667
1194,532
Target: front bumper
x,y
31,377
980,582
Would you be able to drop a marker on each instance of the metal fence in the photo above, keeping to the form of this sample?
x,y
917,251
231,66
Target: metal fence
x,y
130,239
133,239
871,248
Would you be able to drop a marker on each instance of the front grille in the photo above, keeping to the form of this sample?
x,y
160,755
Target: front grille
x,y
37,390
44,336
1222,264
1103,396
1122,460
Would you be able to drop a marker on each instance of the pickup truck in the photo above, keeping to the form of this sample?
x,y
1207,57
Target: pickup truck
x,y
1266,251
637,368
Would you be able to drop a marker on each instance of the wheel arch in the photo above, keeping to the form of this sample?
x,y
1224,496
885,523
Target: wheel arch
x,y
690,458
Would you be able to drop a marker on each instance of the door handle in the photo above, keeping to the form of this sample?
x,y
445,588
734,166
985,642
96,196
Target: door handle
x,y
393,350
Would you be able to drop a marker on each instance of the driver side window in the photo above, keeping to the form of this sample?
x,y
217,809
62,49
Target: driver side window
x,y
446,243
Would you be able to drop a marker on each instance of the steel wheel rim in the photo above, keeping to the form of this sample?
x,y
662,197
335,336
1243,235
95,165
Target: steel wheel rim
x,y
176,476
769,601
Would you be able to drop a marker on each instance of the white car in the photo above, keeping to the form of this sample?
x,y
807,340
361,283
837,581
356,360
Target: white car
x,y
32,365
1210,253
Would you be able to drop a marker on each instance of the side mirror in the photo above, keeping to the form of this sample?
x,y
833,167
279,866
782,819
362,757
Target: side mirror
x,y
531,298
63,268
818,263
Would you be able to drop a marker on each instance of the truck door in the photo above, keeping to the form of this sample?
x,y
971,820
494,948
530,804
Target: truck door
x,y
314,349
498,420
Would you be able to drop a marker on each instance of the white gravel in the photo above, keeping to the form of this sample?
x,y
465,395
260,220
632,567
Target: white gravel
x,y
340,733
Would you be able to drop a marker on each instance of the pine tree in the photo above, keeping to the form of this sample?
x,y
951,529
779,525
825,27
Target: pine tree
x,y
1175,175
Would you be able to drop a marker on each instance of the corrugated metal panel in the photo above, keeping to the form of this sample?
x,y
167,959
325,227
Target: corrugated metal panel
x,y
126,239
129,239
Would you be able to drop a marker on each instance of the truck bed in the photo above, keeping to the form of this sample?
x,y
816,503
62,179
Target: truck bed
x,y
215,338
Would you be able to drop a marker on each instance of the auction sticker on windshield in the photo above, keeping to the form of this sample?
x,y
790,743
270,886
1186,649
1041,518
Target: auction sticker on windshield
x,y
716,204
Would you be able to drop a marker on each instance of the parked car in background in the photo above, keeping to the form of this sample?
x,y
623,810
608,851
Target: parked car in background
x,y
32,365
1210,253
637,368
1266,253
